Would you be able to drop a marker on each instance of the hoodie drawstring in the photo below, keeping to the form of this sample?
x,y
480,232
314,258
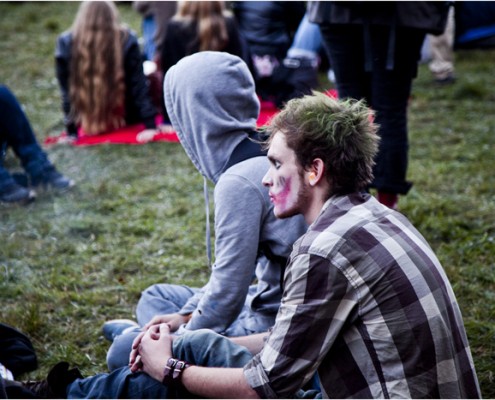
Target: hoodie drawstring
x,y
207,210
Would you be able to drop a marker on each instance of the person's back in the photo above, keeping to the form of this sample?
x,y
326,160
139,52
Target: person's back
x,y
200,26
100,73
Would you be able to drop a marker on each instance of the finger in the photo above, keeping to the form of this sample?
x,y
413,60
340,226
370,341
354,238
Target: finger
x,y
164,329
133,356
155,332
137,340
154,321
155,328
137,365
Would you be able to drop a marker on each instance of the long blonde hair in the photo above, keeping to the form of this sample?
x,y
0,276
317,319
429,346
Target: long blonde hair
x,y
210,17
97,82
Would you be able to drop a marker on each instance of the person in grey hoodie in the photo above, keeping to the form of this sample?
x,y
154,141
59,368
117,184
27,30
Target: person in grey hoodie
x,y
213,107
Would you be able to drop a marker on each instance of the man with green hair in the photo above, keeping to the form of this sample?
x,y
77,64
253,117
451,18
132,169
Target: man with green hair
x,y
366,304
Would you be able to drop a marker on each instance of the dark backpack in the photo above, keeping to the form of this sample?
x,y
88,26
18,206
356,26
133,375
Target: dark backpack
x,y
16,351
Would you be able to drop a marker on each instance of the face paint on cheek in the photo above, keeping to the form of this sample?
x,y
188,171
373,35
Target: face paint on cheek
x,y
284,186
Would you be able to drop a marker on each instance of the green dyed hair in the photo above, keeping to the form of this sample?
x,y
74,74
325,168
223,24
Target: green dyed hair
x,y
340,132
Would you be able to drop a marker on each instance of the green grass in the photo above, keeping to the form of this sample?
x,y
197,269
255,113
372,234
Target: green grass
x,y
69,263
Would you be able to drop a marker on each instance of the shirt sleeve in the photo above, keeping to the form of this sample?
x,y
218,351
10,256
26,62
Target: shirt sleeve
x,y
317,301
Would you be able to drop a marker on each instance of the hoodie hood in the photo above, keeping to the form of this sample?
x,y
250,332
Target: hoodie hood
x,y
212,104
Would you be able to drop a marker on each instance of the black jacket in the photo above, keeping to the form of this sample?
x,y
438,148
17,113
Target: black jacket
x,y
138,105
428,16
268,26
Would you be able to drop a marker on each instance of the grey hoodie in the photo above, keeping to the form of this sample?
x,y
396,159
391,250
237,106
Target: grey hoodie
x,y
212,104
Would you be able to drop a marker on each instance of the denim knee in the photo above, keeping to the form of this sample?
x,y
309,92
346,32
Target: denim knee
x,y
208,348
119,351
162,299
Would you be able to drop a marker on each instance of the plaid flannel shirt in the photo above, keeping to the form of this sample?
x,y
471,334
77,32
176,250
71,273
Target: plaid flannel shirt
x,y
368,306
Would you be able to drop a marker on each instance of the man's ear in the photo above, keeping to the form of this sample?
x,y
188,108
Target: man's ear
x,y
316,171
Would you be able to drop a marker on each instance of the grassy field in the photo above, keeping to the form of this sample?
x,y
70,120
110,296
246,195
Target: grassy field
x,y
69,263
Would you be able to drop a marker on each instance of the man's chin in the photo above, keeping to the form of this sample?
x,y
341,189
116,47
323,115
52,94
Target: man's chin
x,y
284,214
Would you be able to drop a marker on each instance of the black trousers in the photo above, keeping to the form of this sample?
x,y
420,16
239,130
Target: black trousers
x,y
378,64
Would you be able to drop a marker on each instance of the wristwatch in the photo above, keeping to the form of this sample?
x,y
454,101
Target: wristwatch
x,y
173,371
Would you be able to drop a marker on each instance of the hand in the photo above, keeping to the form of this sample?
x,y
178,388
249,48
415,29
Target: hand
x,y
146,135
67,139
174,321
166,128
155,350
135,363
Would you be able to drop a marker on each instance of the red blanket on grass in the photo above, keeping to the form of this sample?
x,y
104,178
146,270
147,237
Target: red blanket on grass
x,y
127,135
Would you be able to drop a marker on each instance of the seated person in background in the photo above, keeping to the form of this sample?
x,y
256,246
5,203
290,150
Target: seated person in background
x,y
214,108
100,73
366,303
16,132
268,28
199,26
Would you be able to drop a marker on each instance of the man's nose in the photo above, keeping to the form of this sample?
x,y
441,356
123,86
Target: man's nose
x,y
267,180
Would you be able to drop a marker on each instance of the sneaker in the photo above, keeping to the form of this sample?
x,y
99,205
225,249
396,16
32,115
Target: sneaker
x,y
52,179
55,384
116,327
13,193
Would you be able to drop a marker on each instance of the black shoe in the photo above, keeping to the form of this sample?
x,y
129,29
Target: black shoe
x,y
13,193
50,178
448,80
55,384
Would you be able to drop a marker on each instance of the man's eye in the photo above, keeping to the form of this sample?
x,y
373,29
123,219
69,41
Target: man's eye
x,y
277,165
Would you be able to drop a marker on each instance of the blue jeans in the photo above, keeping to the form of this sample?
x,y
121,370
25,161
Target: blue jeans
x,y
307,40
149,27
202,347
167,299
16,132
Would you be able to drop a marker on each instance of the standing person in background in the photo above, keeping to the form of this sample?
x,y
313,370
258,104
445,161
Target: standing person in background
x,y
100,73
200,26
213,107
156,15
16,132
441,64
374,48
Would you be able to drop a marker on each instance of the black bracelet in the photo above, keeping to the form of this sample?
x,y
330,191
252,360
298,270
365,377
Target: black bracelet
x,y
173,371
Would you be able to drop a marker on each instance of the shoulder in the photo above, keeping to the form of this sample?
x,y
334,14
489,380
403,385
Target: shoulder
x,y
130,37
243,180
63,45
